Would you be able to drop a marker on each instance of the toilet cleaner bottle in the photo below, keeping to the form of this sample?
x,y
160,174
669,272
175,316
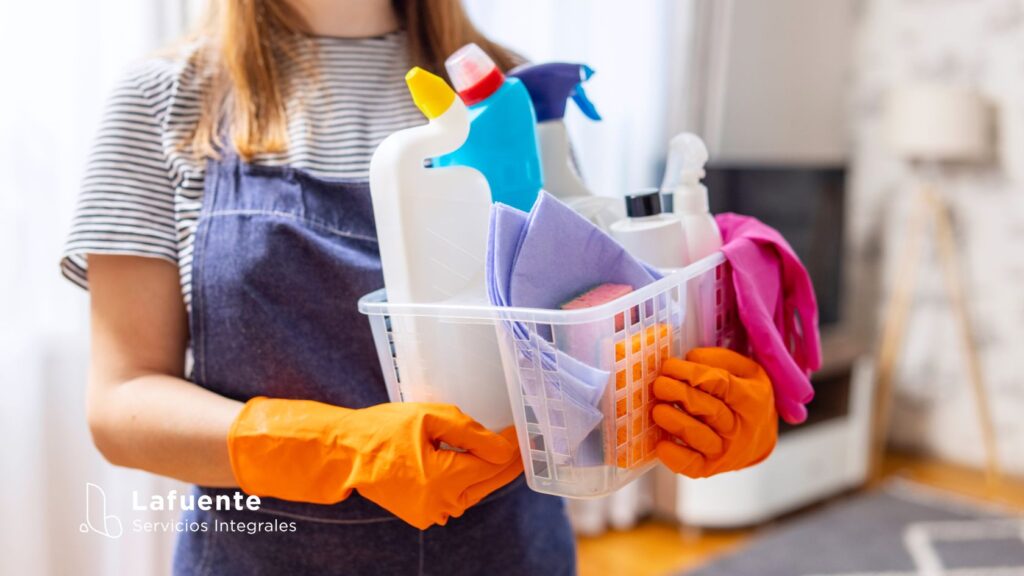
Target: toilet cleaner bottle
x,y
432,233
431,224
502,142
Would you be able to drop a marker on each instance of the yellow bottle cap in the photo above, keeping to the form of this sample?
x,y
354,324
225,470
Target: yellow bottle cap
x,y
430,93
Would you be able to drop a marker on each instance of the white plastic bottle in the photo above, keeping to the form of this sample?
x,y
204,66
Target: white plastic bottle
x,y
687,156
431,223
432,232
650,235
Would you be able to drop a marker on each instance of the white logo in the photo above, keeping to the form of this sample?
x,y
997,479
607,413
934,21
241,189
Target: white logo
x,y
108,525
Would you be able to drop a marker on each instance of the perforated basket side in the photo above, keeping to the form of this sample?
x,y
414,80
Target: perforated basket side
x,y
542,410
728,330
627,341
384,341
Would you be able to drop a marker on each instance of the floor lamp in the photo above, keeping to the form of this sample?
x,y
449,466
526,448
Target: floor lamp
x,y
932,127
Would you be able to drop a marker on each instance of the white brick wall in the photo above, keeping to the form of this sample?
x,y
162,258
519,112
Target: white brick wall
x,y
978,43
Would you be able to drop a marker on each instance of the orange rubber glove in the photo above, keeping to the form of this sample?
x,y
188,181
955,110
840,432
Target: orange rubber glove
x,y
313,452
719,408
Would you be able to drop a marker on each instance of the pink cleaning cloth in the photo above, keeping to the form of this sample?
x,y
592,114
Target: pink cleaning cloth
x,y
776,304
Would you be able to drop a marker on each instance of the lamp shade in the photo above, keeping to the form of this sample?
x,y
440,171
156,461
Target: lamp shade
x,y
938,122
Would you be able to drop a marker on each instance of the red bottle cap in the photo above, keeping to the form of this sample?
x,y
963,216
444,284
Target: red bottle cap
x,y
473,73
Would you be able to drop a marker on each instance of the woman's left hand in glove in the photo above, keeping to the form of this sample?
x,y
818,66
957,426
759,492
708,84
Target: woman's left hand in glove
x,y
719,411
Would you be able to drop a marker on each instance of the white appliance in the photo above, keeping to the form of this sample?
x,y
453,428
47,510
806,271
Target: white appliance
x,y
810,462
769,81
769,88
765,84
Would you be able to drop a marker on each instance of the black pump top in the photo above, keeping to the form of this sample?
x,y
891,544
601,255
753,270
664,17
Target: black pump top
x,y
644,203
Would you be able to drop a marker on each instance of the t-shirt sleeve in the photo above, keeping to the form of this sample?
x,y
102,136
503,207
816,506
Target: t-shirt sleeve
x,y
126,204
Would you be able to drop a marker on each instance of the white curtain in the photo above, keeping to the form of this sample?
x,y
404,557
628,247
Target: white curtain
x,y
642,58
60,60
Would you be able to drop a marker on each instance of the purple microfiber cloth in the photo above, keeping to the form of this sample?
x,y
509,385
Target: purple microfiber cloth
x,y
561,254
542,260
508,226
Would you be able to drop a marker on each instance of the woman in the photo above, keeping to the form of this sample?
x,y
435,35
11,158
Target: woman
x,y
225,232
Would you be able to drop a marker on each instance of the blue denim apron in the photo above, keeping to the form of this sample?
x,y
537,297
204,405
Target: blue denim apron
x,y
281,257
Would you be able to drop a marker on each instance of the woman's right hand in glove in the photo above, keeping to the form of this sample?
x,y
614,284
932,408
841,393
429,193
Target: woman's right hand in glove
x,y
308,451
718,408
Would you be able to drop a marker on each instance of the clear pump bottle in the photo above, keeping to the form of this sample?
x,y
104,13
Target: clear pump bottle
x,y
684,171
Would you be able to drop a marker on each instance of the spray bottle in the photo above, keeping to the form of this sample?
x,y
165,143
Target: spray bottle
x,y
687,156
684,170
550,86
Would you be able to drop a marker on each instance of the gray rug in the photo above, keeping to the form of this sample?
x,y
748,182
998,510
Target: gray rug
x,y
902,530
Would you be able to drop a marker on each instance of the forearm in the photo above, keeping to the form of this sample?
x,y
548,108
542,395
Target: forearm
x,y
142,412
164,425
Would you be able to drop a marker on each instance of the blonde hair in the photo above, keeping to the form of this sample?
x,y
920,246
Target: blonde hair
x,y
248,44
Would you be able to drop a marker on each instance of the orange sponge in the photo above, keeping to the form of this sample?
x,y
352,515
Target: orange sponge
x,y
598,295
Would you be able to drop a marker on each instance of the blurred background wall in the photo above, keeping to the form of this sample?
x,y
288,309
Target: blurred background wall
x,y
978,44
60,61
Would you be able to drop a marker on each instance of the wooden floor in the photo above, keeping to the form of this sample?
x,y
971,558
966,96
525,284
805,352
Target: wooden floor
x,y
658,549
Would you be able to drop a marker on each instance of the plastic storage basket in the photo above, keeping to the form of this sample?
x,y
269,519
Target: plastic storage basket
x,y
578,381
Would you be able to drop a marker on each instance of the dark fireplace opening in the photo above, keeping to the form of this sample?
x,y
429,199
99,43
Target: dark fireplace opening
x,y
805,204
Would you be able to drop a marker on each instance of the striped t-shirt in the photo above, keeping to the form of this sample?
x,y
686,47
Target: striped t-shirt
x,y
143,190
